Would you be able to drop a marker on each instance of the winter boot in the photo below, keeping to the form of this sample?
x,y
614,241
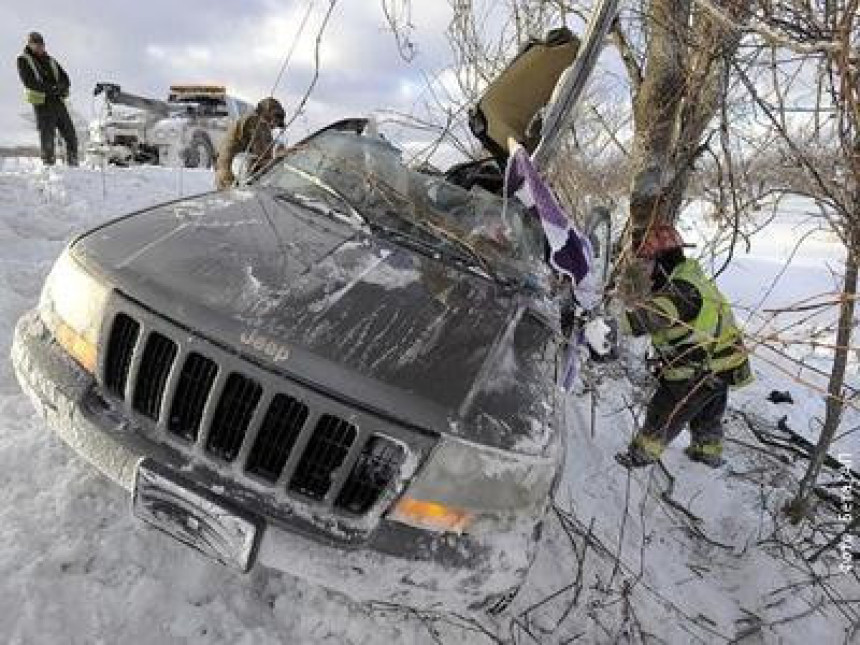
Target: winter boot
x,y
707,453
635,457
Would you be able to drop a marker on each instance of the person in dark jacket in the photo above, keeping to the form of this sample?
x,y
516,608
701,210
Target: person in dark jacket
x,y
46,87
251,134
700,351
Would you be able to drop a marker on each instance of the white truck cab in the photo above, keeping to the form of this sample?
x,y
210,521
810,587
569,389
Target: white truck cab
x,y
185,130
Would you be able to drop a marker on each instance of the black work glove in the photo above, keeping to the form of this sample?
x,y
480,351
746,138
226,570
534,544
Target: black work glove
x,y
634,282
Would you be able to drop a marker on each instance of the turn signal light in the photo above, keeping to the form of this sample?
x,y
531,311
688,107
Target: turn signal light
x,y
83,351
431,515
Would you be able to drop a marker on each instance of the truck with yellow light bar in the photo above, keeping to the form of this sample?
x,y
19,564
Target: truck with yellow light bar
x,y
186,129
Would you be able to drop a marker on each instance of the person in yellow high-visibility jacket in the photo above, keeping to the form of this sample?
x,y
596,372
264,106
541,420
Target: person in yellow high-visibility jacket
x,y
46,88
700,351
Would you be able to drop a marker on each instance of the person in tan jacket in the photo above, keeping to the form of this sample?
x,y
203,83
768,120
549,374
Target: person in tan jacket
x,y
252,134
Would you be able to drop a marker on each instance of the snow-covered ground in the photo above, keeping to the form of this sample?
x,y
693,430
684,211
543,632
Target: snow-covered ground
x,y
620,561
791,260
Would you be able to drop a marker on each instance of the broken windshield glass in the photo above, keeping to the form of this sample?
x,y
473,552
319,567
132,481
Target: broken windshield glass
x,y
355,174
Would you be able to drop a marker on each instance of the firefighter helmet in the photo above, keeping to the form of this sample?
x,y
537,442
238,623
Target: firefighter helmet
x,y
658,239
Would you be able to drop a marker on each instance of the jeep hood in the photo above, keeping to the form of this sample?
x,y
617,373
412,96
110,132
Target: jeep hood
x,y
365,320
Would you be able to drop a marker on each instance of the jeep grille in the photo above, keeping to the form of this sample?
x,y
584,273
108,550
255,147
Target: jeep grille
x,y
274,437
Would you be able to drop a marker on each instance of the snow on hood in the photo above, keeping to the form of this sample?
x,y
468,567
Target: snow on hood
x,y
380,324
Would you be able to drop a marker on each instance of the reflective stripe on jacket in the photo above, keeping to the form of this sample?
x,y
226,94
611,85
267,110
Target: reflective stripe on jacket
x,y
711,342
34,96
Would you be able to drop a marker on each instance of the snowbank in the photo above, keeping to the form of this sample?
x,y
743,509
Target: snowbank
x,y
76,568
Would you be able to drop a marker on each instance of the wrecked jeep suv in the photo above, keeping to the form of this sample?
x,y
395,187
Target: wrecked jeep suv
x,y
345,370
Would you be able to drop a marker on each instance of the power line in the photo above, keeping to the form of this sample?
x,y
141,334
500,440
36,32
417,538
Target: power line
x,y
292,48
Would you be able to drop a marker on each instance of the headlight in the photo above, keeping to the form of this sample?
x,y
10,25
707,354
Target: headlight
x,y
71,306
467,488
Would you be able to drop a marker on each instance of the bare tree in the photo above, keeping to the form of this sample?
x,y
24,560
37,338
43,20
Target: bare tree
x,y
678,84
829,32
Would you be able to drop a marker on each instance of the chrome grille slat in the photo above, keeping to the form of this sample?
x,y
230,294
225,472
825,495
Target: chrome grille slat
x,y
209,409
341,473
253,431
169,393
298,450
168,352
134,366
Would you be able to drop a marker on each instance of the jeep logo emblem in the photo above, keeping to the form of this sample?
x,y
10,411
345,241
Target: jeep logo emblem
x,y
274,350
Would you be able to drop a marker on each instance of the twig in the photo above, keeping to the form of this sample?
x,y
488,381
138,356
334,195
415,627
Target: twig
x,y
836,540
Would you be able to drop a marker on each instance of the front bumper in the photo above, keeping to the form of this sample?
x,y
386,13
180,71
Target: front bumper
x,y
396,563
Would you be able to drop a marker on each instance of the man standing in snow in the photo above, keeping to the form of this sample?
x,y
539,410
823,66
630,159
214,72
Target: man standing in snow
x,y
700,350
46,87
252,134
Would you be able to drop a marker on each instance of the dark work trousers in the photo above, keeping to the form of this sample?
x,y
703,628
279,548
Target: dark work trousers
x,y
701,402
50,117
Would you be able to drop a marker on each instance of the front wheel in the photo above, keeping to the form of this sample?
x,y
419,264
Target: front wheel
x,y
200,153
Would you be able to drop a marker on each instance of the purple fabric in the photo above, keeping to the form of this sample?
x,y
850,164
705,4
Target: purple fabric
x,y
570,252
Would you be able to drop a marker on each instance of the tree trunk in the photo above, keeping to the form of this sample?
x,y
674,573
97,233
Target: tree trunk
x,y
799,507
681,89
655,112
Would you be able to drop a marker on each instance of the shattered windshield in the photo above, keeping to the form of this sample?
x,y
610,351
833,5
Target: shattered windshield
x,y
363,179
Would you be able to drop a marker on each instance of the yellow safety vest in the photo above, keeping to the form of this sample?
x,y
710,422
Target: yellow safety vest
x,y
34,96
712,342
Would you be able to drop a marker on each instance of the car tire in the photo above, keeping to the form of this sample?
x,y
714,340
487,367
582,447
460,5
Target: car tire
x,y
200,153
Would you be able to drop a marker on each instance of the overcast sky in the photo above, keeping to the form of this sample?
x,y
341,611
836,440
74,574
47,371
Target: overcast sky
x,y
146,46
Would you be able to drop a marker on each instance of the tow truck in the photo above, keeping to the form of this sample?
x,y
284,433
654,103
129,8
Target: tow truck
x,y
184,130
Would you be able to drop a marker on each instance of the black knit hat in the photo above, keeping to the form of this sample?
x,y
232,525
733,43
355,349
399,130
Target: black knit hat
x,y
271,108
35,38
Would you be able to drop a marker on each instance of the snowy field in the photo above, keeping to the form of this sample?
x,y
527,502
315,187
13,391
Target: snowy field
x,y
621,562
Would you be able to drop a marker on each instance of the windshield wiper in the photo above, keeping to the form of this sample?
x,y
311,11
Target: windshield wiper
x,y
473,256
439,232
463,252
303,200
319,206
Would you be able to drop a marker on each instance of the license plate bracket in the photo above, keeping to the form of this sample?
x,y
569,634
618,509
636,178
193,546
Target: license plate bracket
x,y
195,516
